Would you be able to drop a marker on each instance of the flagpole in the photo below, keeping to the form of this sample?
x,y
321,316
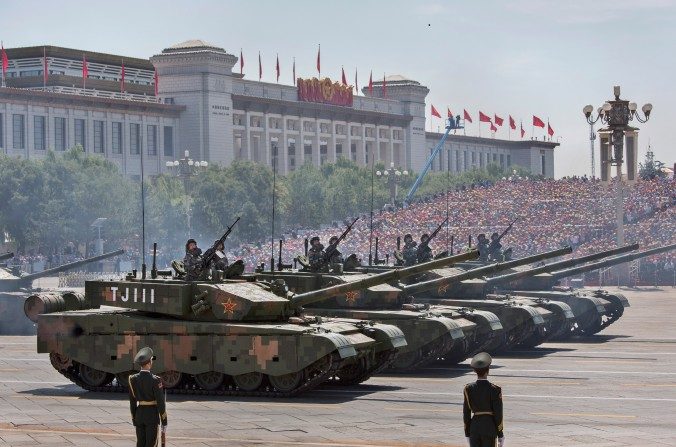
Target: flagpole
x,y
2,44
44,69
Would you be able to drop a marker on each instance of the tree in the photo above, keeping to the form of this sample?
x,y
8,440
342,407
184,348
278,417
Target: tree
x,y
651,168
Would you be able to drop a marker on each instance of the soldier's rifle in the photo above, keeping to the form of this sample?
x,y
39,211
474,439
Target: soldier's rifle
x,y
333,247
424,245
509,227
209,254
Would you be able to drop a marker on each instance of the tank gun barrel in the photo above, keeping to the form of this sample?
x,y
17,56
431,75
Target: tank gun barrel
x,y
380,278
610,262
5,256
482,271
510,277
71,265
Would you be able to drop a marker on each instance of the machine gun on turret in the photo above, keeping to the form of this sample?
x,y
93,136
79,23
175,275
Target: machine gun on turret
x,y
212,252
425,245
328,253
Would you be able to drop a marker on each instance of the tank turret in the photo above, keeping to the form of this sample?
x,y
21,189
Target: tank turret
x,y
24,281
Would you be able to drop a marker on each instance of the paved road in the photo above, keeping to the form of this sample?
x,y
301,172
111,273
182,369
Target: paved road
x,y
614,389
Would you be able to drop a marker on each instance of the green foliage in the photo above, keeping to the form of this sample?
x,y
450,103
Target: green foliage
x,y
651,168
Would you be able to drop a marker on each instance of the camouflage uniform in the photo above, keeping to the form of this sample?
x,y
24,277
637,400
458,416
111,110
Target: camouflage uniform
x,y
424,252
482,246
315,257
192,263
495,248
410,253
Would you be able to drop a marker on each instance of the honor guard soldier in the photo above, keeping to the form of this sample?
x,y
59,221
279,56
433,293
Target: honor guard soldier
x,y
146,398
482,406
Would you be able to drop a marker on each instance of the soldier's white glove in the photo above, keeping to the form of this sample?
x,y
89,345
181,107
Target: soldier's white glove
x,y
468,443
501,442
164,429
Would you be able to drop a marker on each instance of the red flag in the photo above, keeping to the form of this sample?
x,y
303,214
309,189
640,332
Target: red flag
x,y
550,131
156,77
449,113
498,120
467,117
435,112
537,122
493,128
85,70
484,118
523,132
343,78
384,87
45,68
260,67
371,84
241,62
512,123
277,67
294,71
122,78
5,61
356,86
319,60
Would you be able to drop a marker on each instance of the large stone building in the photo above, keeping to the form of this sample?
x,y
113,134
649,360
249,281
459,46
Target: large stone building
x,y
219,116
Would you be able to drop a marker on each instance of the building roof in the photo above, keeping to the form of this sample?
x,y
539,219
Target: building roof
x,y
71,53
515,144
396,80
193,45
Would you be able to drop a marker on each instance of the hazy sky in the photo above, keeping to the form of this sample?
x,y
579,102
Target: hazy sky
x,y
518,57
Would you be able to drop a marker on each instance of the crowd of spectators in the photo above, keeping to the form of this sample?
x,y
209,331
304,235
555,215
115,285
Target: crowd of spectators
x,y
573,211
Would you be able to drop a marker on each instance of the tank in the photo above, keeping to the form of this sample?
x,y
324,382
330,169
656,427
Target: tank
x,y
234,337
545,285
526,322
14,287
429,335
6,256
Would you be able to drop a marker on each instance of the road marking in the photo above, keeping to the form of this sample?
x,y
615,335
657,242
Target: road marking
x,y
28,382
14,359
633,362
554,354
653,385
616,416
388,380
423,410
349,443
578,371
9,370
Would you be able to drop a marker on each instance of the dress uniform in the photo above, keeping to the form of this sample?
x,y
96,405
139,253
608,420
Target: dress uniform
x,y
146,399
482,407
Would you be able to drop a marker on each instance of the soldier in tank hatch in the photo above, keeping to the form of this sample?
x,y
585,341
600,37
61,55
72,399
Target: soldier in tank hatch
x,y
146,400
316,254
482,406
409,252
193,261
424,252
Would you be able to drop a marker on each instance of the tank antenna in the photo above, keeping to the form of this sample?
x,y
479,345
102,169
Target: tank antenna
x,y
143,221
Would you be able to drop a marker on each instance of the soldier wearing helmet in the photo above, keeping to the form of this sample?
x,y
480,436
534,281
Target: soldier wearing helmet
x,y
424,252
482,406
193,261
316,254
482,246
409,252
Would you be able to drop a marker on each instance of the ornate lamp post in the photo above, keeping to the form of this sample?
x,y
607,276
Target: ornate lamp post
x,y
393,177
186,168
616,114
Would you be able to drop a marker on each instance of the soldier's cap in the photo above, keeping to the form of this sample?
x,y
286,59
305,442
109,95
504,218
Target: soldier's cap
x,y
481,235
143,356
408,236
333,238
314,238
190,241
425,236
481,360
494,235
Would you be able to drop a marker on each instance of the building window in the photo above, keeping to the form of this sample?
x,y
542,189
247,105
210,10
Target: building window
x,y
2,130
543,164
168,141
353,152
465,160
60,133
80,133
509,160
18,131
292,155
457,161
323,153
502,160
117,138
99,137
134,138
308,153
39,140
339,150
152,139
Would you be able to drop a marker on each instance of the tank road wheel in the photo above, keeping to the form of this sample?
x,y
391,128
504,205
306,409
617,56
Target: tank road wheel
x,y
94,377
354,373
60,362
287,382
249,381
210,381
123,378
171,379
406,359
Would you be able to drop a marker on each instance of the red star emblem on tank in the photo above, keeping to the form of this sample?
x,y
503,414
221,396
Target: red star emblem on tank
x,y
229,306
442,289
351,297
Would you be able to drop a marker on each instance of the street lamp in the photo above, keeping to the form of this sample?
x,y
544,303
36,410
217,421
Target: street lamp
x,y
393,177
186,168
616,114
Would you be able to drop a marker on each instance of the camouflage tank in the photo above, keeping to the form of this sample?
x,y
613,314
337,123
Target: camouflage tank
x,y
429,335
13,289
526,323
544,284
235,337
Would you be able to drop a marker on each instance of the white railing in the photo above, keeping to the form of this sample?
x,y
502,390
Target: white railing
x,y
98,93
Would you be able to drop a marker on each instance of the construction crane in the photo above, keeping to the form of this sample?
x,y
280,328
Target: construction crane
x,y
451,124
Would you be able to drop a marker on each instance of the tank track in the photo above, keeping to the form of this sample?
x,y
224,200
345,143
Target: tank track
x,y
431,352
71,373
383,360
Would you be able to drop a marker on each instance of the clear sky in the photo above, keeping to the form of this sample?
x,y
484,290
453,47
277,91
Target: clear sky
x,y
518,57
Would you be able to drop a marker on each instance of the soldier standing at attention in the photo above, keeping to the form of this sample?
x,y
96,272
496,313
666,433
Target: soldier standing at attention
x,y
484,399
192,262
146,400
316,254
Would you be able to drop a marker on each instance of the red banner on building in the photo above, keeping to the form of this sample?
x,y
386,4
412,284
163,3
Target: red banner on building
x,y
324,91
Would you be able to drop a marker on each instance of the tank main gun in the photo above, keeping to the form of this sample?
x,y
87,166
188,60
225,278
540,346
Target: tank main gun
x,y
6,256
481,272
515,276
25,281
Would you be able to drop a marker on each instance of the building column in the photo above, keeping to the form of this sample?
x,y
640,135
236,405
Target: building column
x,y
247,135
